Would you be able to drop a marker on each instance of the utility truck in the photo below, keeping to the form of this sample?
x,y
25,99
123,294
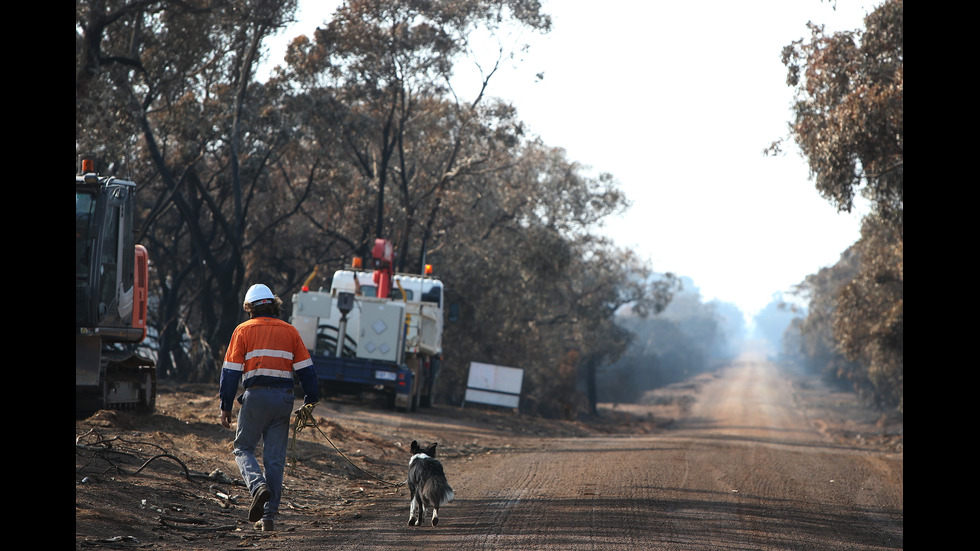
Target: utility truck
x,y
375,331
111,281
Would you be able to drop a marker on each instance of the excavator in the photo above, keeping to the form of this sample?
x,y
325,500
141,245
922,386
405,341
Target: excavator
x,y
111,282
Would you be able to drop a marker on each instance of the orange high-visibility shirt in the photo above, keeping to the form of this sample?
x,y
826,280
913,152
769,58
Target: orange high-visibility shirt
x,y
266,347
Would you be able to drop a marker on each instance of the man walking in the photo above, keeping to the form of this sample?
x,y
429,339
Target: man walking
x,y
264,355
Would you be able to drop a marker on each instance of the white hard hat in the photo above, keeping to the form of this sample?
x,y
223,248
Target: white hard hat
x,y
258,292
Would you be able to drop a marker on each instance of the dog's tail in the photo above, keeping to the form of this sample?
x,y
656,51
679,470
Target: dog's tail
x,y
439,492
448,496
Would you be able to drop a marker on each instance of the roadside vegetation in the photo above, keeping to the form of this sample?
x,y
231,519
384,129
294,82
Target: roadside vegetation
x,y
363,131
849,126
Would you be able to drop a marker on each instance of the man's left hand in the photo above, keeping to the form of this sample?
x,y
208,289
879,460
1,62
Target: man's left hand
x,y
226,419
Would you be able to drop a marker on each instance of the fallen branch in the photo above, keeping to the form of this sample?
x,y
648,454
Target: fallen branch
x,y
183,520
187,473
106,447
177,525
117,542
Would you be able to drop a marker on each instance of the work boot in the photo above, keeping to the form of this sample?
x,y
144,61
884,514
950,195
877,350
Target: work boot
x,y
261,497
264,525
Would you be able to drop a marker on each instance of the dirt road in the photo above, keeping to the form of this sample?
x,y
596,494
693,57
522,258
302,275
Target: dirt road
x,y
745,472
746,468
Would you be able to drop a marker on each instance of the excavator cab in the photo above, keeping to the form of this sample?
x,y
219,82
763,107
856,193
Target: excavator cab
x,y
110,297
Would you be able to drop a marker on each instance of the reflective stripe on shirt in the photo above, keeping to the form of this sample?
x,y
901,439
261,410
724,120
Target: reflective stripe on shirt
x,y
232,366
277,373
267,352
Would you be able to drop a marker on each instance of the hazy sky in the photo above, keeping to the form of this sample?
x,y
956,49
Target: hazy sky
x,y
678,100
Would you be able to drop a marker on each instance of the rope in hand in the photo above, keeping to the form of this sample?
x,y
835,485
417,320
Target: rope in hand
x,y
304,418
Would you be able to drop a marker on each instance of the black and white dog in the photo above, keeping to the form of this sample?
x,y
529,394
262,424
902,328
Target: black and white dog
x,y
427,484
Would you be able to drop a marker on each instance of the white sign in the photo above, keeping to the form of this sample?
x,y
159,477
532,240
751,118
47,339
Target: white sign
x,y
494,384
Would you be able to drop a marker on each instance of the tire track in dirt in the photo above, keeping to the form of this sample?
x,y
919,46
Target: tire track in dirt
x,y
746,472
565,497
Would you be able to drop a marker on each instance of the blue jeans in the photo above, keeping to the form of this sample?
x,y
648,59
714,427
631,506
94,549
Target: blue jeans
x,y
264,414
